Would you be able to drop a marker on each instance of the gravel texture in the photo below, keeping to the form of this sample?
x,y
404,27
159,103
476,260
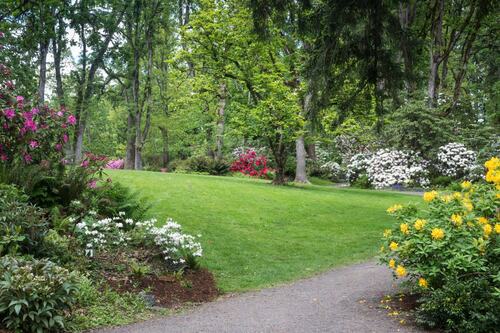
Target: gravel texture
x,y
345,299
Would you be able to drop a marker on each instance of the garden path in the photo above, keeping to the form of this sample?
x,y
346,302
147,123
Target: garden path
x,y
345,299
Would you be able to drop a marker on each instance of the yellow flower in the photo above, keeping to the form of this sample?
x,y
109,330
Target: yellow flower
x,y
420,224
447,198
393,246
457,195
493,176
482,220
493,163
394,209
437,233
400,271
466,185
382,249
429,196
387,233
468,205
470,224
456,219
404,228
487,229
497,228
392,263
422,283
498,195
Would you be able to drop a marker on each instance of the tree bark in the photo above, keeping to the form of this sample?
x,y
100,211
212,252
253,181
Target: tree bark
x,y
300,170
219,140
165,157
42,76
300,151
57,45
406,17
435,52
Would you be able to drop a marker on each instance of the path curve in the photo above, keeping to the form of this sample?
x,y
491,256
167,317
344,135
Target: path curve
x,y
329,302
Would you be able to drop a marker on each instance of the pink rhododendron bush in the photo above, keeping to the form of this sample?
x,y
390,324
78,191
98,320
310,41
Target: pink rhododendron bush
x,y
115,164
448,253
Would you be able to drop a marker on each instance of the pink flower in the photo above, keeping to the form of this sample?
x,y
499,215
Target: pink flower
x,y
34,144
65,137
71,120
58,147
35,111
9,113
3,157
92,184
60,113
27,158
30,125
85,164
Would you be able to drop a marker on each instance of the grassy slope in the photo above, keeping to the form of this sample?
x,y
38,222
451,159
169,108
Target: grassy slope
x,y
255,234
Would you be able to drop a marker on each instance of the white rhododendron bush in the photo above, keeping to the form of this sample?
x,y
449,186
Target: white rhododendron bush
x,y
389,167
455,160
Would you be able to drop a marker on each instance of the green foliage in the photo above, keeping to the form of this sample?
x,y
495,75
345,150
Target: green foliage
x,y
449,251
205,164
98,306
22,225
362,182
113,197
34,294
417,127
58,248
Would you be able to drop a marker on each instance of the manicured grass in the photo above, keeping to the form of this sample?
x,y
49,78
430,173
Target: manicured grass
x,y
255,234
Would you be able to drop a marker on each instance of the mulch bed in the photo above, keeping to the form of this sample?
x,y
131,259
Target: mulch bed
x,y
169,290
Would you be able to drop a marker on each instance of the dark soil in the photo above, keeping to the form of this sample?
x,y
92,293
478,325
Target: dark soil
x,y
169,290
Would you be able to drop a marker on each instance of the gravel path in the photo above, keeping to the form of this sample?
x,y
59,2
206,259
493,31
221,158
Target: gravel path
x,y
342,300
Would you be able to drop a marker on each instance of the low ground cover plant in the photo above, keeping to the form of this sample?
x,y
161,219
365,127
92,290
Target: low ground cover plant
x,y
449,254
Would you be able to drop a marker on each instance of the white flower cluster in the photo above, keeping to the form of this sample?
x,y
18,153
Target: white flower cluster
x,y
96,234
174,244
455,160
394,167
357,165
332,169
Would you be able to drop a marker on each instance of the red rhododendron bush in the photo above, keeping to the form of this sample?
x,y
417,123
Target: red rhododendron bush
x,y
250,163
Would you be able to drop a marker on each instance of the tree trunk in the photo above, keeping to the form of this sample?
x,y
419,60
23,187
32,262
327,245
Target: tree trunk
x,y
300,170
300,151
42,77
165,156
435,53
130,151
57,46
406,18
280,156
219,140
311,151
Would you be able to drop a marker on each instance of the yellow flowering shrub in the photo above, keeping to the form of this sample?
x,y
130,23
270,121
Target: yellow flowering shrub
x,y
448,252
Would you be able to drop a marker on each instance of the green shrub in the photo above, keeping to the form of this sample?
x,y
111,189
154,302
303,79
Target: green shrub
x,y
22,225
205,164
34,294
451,255
58,248
362,182
441,181
112,198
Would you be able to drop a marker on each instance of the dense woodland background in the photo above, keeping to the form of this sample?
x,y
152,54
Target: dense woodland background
x,y
160,82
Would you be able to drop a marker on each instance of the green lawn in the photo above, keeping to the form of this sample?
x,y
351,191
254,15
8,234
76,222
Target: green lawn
x,y
255,234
